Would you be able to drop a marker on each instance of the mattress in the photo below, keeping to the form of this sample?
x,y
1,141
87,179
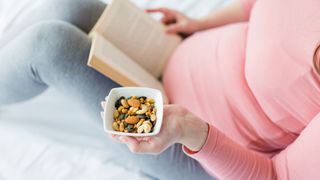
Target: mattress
x,y
39,139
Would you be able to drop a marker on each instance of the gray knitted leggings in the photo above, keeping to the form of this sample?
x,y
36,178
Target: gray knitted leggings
x,y
49,48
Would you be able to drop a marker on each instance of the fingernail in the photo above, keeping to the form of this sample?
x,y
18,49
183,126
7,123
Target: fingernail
x,y
123,139
103,104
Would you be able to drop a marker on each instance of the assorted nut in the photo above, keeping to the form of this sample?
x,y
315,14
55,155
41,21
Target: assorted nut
x,y
134,115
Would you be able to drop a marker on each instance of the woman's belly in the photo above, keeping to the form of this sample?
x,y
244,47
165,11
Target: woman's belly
x,y
206,75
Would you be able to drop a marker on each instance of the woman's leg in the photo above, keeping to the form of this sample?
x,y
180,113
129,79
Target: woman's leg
x,y
51,53
81,13
172,164
54,53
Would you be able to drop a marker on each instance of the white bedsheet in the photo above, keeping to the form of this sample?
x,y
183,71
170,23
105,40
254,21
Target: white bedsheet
x,y
40,140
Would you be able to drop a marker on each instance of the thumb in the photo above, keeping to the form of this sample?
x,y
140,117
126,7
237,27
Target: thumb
x,y
175,28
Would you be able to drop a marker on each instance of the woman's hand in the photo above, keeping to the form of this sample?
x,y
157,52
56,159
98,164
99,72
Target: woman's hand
x,y
179,126
177,22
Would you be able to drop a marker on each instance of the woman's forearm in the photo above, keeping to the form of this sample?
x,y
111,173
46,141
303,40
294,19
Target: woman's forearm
x,y
232,13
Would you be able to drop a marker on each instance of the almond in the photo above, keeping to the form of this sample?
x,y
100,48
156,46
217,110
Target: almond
x,y
134,103
132,120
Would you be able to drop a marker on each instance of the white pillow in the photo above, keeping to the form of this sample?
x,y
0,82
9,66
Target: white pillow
x,y
11,10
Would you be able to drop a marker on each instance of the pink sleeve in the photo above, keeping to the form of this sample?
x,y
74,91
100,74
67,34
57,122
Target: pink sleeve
x,y
247,6
226,159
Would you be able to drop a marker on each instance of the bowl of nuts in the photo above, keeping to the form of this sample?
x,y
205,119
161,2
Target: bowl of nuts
x,y
133,111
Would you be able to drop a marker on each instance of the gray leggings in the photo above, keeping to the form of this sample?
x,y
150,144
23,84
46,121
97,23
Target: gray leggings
x,y
49,48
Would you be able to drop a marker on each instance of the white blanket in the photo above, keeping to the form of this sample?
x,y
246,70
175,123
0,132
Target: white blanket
x,y
39,139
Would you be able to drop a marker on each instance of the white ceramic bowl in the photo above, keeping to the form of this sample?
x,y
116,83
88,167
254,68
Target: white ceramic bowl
x,y
116,93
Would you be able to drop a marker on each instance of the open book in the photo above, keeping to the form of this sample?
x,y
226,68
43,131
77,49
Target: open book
x,y
129,46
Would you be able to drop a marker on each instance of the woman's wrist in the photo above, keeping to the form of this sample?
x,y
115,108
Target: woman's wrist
x,y
197,25
201,24
194,132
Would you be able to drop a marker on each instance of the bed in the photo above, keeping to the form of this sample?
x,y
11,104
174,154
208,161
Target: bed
x,y
40,140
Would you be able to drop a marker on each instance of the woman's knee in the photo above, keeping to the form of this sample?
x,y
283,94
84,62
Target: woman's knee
x,y
55,43
81,13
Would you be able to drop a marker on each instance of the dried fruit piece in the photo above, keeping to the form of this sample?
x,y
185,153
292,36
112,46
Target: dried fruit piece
x,y
142,97
142,116
130,128
118,102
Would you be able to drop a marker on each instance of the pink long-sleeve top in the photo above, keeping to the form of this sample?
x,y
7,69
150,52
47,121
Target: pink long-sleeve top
x,y
254,83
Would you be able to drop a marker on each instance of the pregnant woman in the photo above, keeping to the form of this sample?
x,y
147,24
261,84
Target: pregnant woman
x,y
246,89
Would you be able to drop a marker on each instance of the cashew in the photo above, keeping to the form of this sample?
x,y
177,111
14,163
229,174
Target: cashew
x,y
146,128
140,129
143,109
153,117
124,103
147,123
140,122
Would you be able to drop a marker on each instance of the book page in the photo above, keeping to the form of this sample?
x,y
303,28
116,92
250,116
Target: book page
x,y
138,35
113,63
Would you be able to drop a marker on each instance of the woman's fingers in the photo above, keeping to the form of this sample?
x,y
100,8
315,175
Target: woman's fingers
x,y
168,20
176,22
143,138
164,11
103,104
102,114
115,137
175,28
144,145
131,142
169,16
